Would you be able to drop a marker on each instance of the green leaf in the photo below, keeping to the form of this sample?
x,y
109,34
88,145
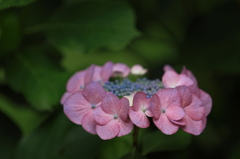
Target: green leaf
x,y
59,138
25,118
2,76
14,3
36,76
116,147
76,61
78,142
45,141
155,50
9,136
10,33
205,6
86,26
157,141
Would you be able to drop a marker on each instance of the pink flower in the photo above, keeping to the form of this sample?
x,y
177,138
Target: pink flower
x,y
79,106
80,79
102,74
138,70
93,73
184,71
77,82
165,106
194,112
204,97
189,74
140,110
65,96
120,69
112,117
168,68
171,79
206,100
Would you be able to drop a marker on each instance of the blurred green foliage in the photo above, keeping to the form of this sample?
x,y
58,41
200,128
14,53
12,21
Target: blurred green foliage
x,y
43,42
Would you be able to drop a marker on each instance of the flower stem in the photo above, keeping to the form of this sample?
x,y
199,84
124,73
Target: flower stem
x,y
135,140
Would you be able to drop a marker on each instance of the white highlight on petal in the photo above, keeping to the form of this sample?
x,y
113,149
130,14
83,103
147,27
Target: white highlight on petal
x,y
130,98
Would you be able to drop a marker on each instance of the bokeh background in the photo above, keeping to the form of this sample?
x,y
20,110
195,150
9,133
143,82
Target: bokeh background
x,y
44,42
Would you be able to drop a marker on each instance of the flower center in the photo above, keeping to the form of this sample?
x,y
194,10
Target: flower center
x,y
126,87
163,111
115,116
144,110
93,106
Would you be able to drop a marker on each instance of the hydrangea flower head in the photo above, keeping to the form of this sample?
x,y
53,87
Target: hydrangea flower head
x,y
109,106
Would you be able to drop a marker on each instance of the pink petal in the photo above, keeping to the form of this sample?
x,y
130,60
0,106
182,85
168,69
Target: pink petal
x,y
138,70
206,102
166,126
195,90
140,101
175,112
108,131
185,94
155,106
189,74
184,80
124,109
170,79
111,104
125,127
148,112
195,114
181,122
139,118
89,74
106,72
89,124
64,97
169,97
120,69
76,107
192,126
194,110
94,92
168,68
101,117
96,75
204,121
76,82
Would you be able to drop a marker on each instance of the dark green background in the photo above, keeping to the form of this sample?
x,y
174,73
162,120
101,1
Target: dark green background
x,y
43,42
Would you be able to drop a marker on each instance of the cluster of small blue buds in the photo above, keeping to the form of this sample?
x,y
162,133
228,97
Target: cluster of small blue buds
x,y
125,86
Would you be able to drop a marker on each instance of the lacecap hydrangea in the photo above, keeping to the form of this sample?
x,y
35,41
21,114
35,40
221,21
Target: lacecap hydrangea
x,y
106,102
